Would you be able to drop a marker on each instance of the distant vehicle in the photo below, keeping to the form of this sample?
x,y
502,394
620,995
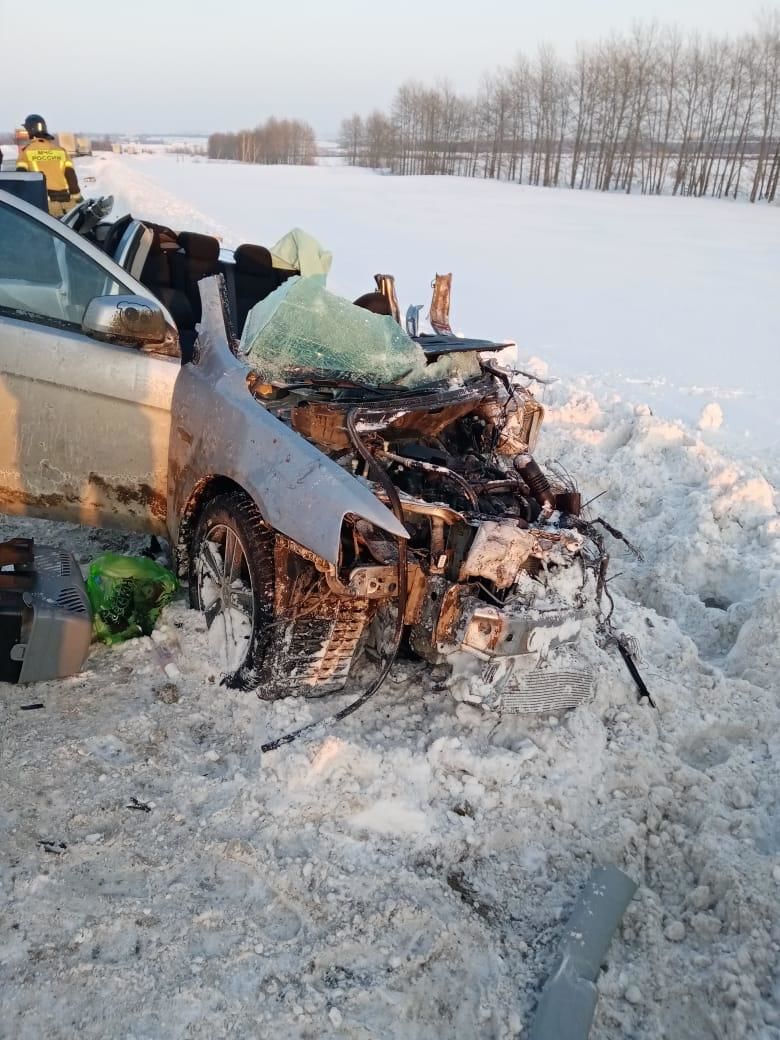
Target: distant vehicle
x,y
74,145
68,142
319,519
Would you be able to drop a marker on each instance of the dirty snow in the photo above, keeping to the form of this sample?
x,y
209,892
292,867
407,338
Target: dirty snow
x,y
409,874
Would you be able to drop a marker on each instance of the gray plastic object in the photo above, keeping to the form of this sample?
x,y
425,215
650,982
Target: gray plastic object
x,y
413,319
568,1000
56,637
29,187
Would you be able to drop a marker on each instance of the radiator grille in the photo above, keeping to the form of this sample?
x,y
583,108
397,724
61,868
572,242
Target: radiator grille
x,y
546,692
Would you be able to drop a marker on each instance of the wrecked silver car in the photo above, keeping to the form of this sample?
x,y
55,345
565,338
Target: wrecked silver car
x,y
327,503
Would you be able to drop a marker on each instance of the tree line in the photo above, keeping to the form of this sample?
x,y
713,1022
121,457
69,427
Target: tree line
x,y
653,111
277,141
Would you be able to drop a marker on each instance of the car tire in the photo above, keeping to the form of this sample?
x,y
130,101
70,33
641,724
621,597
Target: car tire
x,y
231,577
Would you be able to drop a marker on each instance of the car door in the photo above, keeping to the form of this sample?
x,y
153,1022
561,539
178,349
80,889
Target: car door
x,y
84,422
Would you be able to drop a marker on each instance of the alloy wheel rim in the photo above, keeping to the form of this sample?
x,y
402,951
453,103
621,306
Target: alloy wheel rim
x,y
226,596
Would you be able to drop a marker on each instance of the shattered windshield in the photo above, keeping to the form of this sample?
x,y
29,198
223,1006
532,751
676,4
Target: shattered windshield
x,y
303,330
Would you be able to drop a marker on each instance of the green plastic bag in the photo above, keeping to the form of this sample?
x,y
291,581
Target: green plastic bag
x,y
127,594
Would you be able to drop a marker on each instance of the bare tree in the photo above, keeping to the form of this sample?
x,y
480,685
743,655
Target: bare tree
x,y
652,112
286,141
768,48
351,137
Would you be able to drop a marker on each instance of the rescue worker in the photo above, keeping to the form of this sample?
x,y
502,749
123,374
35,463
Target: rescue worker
x,y
42,155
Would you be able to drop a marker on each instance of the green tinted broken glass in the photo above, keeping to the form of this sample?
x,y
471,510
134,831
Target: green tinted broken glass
x,y
301,330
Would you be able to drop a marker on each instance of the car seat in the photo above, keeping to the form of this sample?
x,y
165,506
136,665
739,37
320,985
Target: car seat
x,y
255,278
196,258
157,276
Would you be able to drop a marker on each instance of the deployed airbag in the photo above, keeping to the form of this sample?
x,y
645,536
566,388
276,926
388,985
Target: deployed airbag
x,y
299,251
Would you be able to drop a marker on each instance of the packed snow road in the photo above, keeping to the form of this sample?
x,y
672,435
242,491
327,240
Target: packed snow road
x,y
409,874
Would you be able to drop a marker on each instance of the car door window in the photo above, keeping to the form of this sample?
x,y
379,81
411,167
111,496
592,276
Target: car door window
x,y
44,277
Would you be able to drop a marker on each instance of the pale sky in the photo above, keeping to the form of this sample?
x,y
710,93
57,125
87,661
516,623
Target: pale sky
x,y
200,65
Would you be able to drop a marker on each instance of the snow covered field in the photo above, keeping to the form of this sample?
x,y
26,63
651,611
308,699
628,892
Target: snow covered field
x,y
409,875
669,301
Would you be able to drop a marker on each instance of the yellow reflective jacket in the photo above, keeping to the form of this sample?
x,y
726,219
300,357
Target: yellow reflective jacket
x,y
43,156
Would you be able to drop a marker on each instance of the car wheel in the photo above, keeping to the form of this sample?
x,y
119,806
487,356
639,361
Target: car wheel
x,y
232,582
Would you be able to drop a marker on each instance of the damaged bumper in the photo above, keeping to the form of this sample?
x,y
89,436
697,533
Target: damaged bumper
x,y
522,646
523,649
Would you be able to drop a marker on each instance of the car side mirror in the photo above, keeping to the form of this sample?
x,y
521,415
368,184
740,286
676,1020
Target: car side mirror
x,y
125,319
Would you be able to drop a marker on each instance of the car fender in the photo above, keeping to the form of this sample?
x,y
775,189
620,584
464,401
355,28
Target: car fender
x,y
219,429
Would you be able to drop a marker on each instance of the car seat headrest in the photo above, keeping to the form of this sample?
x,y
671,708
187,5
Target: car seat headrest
x,y
199,247
251,258
376,302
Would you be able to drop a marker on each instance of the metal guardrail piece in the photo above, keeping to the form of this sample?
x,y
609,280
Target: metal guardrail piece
x,y
568,1000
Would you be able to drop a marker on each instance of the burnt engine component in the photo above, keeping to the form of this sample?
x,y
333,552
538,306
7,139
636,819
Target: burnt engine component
x,y
532,474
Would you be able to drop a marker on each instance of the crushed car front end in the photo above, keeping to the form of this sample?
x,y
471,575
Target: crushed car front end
x,y
499,574
395,517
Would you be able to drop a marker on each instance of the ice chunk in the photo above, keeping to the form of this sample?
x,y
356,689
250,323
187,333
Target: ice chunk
x,y
711,417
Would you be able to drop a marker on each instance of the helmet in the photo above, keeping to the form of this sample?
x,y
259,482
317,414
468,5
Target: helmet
x,y
35,126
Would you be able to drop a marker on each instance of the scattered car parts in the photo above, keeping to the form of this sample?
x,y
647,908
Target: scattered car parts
x,y
45,617
568,1000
